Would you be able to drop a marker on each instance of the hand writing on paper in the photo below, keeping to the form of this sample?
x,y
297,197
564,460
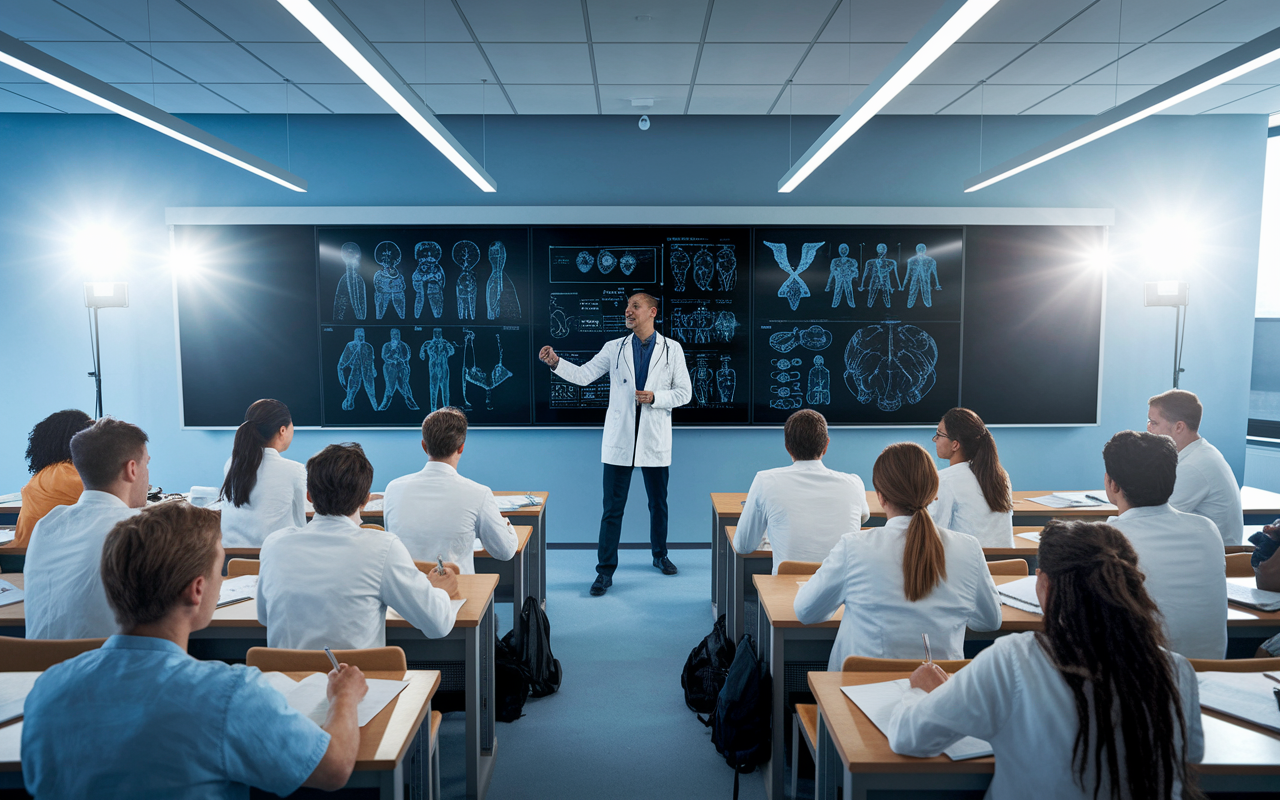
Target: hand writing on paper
x,y
928,677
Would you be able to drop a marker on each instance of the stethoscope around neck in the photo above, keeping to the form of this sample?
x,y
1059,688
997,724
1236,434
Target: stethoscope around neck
x,y
617,359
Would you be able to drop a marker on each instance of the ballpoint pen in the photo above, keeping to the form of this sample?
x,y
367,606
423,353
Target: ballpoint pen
x,y
928,657
332,660
439,564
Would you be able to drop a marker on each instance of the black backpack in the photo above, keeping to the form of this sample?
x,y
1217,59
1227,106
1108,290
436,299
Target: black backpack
x,y
530,641
706,668
511,687
741,725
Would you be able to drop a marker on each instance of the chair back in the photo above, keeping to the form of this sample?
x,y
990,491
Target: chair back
x,y
243,566
425,567
798,567
865,664
1239,565
278,659
1235,664
1009,566
373,527
37,655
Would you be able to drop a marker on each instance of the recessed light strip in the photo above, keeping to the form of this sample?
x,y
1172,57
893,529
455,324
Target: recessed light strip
x,y
66,77
1226,67
328,24
951,22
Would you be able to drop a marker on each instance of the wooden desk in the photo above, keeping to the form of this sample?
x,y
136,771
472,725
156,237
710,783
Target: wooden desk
x,y
854,755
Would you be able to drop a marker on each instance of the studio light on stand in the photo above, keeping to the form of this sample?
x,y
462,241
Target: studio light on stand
x,y
1171,293
99,294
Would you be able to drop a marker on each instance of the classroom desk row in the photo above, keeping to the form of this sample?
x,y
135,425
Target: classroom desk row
x,y
467,649
792,649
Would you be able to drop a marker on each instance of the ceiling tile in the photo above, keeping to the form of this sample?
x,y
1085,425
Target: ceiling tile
x,y
45,20
1061,63
402,20
348,98
722,99
1215,97
164,21
553,99
668,20
846,63
213,62
252,20
767,20
10,74
525,21
668,99
462,98
998,99
1268,74
113,62
1157,63
1235,21
1144,20
645,63
923,99
180,98
11,103
268,98
304,62
1024,20
824,100
897,21
51,95
1265,102
970,63
1080,99
437,62
540,63
749,63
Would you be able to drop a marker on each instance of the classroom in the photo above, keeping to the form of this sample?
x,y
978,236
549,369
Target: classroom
x,y
317,475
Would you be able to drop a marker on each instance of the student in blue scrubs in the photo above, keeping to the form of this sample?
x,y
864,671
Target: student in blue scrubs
x,y
142,718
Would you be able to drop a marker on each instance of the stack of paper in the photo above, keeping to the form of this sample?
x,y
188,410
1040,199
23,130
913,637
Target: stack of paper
x,y
1033,537
1253,598
9,594
1246,695
510,502
878,700
1021,594
309,695
235,590
1072,499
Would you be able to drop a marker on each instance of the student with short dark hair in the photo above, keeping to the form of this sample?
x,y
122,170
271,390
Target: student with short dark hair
x,y
904,579
139,717
804,508
1206,485
330,583
1181,554
64,595
1093,706
263,491
54,480
974,493
436,512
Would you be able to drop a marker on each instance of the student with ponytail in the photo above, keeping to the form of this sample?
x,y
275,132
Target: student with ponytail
x,y
263,491
1036,696
974,494
904,579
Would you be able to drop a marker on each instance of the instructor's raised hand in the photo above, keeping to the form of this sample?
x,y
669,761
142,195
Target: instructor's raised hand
x,y
549,356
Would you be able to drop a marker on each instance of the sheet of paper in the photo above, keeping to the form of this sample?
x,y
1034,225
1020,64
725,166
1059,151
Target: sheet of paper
x,y
1072,499
280,682
14,688
309,697
234,590
1244,595
1237,613
511,502
878,700
11,499
1020,594
9,594
7,535
1031,537
1246,695
457,605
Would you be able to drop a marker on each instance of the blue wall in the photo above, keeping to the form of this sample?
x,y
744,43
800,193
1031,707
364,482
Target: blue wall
x,y
58,172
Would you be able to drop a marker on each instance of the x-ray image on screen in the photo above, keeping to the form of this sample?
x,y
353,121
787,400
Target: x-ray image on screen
x,y
428,279
437,351
352,294
891,364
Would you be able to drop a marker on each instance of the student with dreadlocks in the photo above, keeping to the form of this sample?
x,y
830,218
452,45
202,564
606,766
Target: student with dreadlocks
x,y
1034,696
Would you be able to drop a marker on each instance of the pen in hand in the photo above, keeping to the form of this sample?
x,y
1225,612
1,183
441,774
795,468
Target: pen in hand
x,y
439,564
332,660
928,657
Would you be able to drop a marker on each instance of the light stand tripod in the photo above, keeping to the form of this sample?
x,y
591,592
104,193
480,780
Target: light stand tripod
x,y
1172,293
96,296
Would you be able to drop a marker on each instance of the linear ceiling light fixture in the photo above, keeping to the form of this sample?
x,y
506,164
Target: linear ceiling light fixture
x,y
1228,66
328,24
952,21
66,77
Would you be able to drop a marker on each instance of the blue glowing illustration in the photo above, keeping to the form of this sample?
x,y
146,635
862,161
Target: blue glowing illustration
x,y
627,263
843,271
429,274
395,368
473,374
559,321
725,325
606,262
727,268
726,381
388,283
920,268
499,292
794,288
352,291
890,363
819,393
703,378
814,337
704,266
679,267
585,262
358,355
436,351
883,272
466,255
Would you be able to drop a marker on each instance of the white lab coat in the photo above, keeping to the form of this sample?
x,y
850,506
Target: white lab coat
x,y
805,507
961,506
668,380
1207,486
1184,562
278,500
864,573
1014,697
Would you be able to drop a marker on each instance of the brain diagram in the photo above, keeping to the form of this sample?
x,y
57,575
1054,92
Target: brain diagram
x,y
890,363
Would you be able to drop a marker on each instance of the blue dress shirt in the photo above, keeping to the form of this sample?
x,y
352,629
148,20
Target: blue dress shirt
x,y
640,354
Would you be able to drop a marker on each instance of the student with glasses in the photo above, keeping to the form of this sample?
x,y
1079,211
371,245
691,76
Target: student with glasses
x,y
974,493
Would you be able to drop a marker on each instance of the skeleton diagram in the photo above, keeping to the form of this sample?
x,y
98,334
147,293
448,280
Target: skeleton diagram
x,y
843,271
920,268
358,355
703,378
727,268
679,266
388,283
473,374
395,366
466,255
430,273
436,351
351,288
726,381
819,393
883,272
890,363
703,268
794,288
499,293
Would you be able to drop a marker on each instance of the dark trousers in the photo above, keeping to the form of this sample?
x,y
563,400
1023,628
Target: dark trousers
x,y
617,483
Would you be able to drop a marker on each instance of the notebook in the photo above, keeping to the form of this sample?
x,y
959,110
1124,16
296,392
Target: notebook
x,y
510,502
238,589
1072,499
878,700
14,688
1253,598
9,594
1245,695
309,695
1021,594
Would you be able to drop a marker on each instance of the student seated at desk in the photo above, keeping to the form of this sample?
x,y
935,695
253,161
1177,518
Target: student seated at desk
x,y
64,595
54,480
1206,485
974,495
142,718
329,583
904,579
263,491
437,513
805,507
1034,696
1180,554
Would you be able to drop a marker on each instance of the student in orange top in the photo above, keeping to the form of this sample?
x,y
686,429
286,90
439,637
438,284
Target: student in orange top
x,y
54,480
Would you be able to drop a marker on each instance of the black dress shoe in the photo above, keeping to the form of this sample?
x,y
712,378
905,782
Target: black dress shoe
x,y
663,563
601,585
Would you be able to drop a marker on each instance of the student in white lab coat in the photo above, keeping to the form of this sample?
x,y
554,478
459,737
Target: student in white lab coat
x,y
974,494
64,595
647,378
1034,696
1206,485
436,512
330,583
1181,554
263,491
904,579
805,507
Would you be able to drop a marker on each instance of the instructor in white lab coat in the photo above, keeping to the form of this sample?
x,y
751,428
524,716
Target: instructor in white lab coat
x,y
637,426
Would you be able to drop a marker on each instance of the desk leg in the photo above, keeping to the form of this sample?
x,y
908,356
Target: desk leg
x,y
736,581
775,771
539,569
520,573
481,738
391,783
826,774
717,568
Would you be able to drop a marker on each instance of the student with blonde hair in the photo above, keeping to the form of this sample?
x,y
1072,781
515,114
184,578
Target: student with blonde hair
x,y
1206,485
974,494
